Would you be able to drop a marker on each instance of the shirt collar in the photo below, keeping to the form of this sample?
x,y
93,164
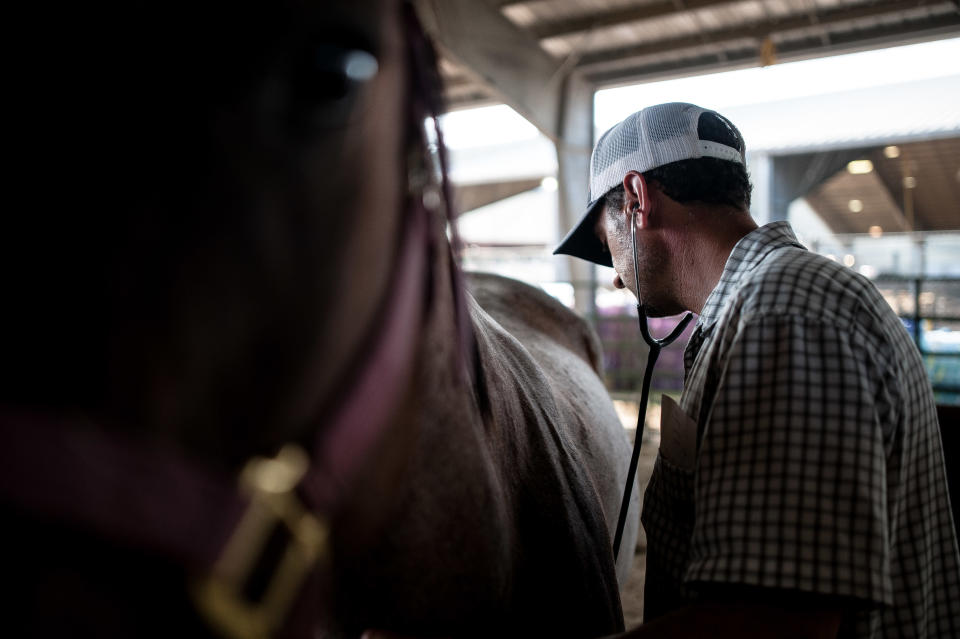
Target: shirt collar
x,y
745,256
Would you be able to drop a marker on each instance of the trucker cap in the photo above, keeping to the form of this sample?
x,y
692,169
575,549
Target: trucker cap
x,y
645,140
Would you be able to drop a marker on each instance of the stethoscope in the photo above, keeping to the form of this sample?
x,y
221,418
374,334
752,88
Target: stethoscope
x,y
656,345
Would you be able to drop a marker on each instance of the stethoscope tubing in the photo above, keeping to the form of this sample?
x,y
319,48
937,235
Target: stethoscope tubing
x,y
656,345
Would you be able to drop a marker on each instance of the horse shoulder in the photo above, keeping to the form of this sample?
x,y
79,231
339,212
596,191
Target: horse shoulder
x,y
567,354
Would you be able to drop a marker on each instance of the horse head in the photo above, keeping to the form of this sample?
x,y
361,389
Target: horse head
x,y
236,224
245,251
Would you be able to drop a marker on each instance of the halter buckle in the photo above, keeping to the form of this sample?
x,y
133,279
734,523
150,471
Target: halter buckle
x,y
273,549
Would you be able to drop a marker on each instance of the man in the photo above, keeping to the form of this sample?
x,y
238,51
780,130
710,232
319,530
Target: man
x,y
812,500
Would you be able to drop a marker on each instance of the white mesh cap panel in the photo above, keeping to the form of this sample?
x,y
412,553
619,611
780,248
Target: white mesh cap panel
x,y
650,138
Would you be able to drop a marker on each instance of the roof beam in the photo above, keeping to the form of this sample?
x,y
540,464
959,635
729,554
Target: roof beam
x,y
472,196
757,32
502,56
788,50
511,3
558,28
467,97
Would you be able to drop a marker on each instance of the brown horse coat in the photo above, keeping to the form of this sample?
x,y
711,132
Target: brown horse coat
x,y
205,278
569,355
505,513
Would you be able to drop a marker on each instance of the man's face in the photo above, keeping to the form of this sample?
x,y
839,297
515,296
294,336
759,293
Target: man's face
x,y
656,279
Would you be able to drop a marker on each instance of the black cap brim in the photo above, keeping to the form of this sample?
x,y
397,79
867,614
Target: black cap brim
x,y
583,242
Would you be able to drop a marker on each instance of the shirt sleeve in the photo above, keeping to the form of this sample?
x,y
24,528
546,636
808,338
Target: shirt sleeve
x,y
791,474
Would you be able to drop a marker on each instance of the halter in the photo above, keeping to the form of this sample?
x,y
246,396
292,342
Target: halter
x,y
656,345
152,499
71,472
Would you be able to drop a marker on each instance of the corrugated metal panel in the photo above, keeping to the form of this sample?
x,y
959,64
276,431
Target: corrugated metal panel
x,y
924,109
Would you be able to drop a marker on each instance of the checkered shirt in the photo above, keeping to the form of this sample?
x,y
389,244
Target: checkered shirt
x,y
819,466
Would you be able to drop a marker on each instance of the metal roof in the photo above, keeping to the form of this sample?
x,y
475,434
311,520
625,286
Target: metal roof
x,y
919,190
882,115
612,42
524,51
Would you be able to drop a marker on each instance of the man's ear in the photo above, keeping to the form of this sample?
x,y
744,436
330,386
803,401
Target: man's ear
x,y
637,198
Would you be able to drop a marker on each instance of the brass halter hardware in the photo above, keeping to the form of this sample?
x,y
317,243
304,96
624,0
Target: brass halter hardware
x,y
269,483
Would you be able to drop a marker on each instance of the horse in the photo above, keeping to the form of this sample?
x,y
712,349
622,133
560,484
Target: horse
x,y
554,457
570,355
249,254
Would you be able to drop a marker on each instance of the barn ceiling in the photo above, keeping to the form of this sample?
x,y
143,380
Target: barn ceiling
x,y
614,42
918,190
519,51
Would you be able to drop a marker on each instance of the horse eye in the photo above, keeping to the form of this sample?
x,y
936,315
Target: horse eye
x,y
359,65
335,71
323,85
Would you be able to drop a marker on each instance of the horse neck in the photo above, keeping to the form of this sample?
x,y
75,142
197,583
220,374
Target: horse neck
x,y
403,530
469,480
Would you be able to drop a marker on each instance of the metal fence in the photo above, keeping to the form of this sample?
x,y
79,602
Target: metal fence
x,y
930,310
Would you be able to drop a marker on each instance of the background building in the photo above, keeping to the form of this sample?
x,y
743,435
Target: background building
x,y
850,110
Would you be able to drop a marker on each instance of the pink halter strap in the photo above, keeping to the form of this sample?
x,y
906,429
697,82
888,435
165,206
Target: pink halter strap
x,y
70,472
360,419
74,474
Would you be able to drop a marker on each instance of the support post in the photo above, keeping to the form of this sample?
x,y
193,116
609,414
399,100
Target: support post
x,y
760,166
573,159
